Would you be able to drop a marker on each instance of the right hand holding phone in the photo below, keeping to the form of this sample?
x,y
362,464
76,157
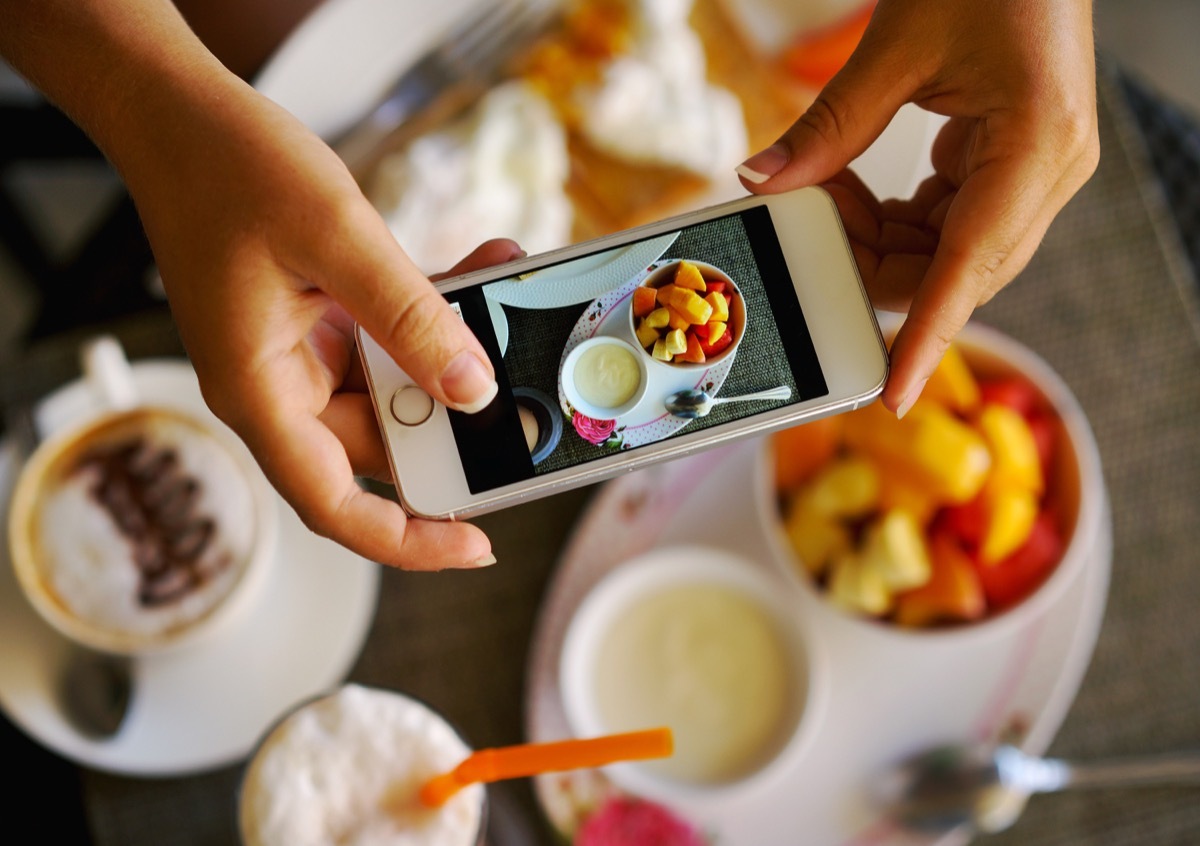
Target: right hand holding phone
x,y
1018,81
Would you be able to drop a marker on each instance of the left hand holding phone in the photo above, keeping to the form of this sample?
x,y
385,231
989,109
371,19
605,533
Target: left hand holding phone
x,y
269,253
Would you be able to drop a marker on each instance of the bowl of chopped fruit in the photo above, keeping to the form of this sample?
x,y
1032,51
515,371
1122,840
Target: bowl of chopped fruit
x,y
972,512
688,314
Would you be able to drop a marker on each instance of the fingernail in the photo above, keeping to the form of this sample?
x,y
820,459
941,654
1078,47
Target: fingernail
x,y
762,166
468,384
486,561
910,399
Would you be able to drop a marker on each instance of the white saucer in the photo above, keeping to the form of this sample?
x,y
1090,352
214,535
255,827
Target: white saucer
x,y
207,706
885,696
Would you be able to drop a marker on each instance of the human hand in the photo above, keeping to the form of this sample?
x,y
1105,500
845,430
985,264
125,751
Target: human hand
x,y
1018,82
269,253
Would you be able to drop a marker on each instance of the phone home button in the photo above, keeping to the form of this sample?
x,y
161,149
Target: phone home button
x,y
411,406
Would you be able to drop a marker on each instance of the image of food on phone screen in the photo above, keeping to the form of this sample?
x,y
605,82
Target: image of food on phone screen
x,y
639,343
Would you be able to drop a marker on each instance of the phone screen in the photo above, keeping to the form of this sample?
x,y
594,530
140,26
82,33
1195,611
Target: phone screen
x,y
530,323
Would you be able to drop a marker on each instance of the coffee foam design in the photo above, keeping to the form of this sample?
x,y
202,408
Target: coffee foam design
x,y
90,565
347,769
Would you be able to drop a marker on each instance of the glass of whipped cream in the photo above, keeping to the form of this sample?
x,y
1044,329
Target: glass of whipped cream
x,y
347,766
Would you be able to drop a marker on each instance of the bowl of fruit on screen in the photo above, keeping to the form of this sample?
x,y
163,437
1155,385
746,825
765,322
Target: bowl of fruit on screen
x,y
978,507
688,314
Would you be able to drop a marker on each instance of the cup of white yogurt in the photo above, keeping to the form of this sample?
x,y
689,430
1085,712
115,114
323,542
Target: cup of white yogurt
x,y
347,767
141,528
604,377
703,641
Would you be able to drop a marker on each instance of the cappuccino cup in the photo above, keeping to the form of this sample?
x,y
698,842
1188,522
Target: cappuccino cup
x,y
142,527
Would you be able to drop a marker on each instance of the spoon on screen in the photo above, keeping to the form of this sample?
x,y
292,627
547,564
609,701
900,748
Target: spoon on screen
x,y
985,788
692,402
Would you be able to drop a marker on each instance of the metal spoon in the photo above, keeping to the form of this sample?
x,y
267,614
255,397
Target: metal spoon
x,y
95,690
985,788
693,403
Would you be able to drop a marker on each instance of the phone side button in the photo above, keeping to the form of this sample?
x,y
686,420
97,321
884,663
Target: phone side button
x,y
411,406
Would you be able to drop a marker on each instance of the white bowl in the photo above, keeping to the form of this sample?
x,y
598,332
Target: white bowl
x,y
1076,488
605,612
737,312
590,409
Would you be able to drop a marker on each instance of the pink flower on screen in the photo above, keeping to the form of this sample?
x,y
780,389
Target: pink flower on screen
x,y
627,821
592,430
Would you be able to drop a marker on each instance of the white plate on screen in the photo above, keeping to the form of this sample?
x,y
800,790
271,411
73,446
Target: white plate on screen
x,y
883,698
582,279
206,706
346,54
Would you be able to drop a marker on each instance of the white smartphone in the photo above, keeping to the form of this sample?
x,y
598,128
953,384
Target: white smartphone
x,y
636,348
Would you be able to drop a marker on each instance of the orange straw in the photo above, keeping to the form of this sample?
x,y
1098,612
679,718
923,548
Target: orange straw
x,y
529,759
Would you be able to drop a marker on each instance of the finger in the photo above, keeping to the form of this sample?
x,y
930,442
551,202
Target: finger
x,y
860,223
362,267
845,118
351,419
322,489
992,227
495,251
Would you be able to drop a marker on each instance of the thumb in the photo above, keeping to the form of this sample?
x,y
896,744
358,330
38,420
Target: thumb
x,y
846,117
398,307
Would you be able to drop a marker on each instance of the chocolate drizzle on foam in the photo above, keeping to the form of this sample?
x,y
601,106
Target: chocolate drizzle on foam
x,y
153,503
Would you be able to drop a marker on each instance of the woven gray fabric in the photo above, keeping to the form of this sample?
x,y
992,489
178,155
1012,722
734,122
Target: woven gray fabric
x,y
1107,301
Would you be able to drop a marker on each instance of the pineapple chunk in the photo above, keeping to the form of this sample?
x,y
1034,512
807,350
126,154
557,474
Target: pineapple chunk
x,y
665,294
720,306
816,538
646,334
688,276
857,588
1011,513
677,319
894,547
952,383
691,304
847,487
1015,461
715,330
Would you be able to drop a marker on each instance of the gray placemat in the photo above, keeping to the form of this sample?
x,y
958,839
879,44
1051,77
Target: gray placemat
x,y
1109,301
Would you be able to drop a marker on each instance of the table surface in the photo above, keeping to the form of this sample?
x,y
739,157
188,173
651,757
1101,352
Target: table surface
x,y
1110,300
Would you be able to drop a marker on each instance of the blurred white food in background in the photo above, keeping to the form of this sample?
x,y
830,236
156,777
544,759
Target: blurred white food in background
x,y
654,105
501,171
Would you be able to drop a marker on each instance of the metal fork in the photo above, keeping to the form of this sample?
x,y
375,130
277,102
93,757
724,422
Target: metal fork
x,y
454,73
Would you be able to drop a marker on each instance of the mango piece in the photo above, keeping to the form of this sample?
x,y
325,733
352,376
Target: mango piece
x,y
897,490
665,294
720,306
716,329
693,354
846,488
1010,513
676,342
688,276
815,538
644,300
646,334
894,546
1015,459
945,456
677,319
799,451
658,318
953,384
690,304
856,588
660,350
952,594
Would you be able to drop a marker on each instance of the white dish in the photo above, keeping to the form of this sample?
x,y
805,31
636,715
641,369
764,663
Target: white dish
x,y
580,280
648,421
886,695
206,706
338,62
